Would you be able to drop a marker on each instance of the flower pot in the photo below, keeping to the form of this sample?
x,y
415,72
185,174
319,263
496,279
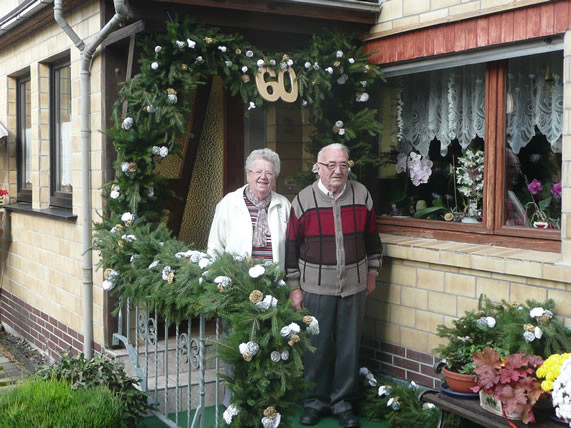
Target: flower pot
x,y
489,403
459,382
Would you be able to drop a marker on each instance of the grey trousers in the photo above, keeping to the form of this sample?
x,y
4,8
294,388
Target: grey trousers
x,y
332,371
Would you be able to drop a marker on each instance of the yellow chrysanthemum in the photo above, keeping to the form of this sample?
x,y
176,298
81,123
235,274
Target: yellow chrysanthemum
x,y
551,369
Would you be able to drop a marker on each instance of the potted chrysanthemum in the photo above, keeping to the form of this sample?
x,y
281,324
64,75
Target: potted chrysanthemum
x,y
556,372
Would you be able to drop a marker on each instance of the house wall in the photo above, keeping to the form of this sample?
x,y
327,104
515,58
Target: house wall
x,y
427,282
40,257
404,15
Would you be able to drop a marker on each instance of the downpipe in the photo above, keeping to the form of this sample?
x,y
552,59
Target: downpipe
x,y
87,53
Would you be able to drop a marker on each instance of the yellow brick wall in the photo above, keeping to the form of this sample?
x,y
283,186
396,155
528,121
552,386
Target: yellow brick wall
x,y
404,15
42,263
413,296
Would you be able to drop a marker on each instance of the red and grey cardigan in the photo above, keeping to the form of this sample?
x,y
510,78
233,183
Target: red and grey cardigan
x,y
331,245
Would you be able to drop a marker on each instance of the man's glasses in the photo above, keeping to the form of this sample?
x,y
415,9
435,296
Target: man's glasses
x,y
332,166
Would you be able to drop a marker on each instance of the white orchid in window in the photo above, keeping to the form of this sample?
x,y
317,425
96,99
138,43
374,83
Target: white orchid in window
x,y
419,167
470,174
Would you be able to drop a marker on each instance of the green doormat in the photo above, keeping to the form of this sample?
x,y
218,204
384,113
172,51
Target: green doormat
x,y
329,422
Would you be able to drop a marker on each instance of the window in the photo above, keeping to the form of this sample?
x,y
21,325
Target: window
x,y
475,150
61,146
24,138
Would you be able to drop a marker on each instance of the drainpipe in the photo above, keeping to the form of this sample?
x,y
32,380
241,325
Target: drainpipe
x,y
87,52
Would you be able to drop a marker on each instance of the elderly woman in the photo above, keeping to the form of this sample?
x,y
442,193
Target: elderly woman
x,y
252,220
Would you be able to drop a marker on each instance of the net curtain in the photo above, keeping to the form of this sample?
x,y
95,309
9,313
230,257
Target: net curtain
x,y
444,105
534,99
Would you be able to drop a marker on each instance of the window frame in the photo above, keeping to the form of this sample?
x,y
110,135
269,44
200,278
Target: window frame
x,y
57,198
491,230
23,194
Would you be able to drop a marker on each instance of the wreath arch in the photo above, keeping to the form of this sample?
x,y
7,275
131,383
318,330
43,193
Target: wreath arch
x,y
140,258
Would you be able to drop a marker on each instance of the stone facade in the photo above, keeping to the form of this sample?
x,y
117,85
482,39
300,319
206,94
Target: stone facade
x,y
404,15
40,260
427,282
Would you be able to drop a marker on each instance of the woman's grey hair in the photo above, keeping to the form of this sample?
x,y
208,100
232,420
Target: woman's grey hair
x,y
334,146
265,154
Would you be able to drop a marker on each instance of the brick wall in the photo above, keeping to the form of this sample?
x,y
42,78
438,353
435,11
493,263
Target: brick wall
x,y
38,328
399,361
404,15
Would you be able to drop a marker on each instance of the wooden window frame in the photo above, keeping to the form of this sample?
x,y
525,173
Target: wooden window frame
x,y
492,230
57,198
24,195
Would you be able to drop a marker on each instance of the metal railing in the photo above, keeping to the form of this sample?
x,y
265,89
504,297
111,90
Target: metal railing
x,y
150,361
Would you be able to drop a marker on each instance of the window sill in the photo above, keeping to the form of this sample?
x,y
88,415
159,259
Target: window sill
x,y
55,213
484,257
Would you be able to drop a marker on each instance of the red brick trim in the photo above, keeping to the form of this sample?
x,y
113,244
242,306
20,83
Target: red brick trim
x,y
401,362
38,328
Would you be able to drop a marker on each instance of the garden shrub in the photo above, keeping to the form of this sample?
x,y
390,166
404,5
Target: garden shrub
x,y
53,403
100,370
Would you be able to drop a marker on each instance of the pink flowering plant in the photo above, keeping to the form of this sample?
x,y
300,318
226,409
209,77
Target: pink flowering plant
x,y
545,204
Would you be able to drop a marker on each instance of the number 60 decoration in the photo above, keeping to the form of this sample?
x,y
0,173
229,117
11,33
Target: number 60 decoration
x,y
278,89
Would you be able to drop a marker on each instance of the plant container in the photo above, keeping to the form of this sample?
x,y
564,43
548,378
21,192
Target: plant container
x,y
459,382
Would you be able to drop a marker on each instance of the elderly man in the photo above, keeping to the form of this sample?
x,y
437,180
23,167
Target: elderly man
x,y
333,255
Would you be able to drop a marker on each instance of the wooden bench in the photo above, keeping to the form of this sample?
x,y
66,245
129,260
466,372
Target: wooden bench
x,y
470,409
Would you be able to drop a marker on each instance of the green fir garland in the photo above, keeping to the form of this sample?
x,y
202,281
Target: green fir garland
x,y
144,263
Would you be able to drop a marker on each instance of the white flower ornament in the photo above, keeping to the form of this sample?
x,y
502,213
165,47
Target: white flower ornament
x,y
256,271
384,390
128,123
229,413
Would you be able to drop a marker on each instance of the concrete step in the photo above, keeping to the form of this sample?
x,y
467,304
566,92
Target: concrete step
x,y
156,360
156,389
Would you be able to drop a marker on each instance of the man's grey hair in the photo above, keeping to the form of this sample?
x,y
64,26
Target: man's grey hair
x,y
265,154
334,146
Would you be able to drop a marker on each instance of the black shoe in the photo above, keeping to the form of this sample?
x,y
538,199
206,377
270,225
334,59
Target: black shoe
x,y
310,416
348,419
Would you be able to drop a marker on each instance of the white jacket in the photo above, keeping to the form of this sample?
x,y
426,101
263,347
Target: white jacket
x,y
231,229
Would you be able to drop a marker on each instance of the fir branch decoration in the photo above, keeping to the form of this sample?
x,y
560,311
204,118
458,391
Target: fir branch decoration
x,y
395,403
145,264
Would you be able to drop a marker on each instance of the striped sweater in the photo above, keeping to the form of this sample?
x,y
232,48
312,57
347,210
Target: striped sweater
x,y
331,245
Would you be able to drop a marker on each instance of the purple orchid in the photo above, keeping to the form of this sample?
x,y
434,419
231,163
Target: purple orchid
x,y
535,186
556,190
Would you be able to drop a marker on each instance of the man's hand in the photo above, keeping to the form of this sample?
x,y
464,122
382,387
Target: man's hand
x,y
371,283
296,297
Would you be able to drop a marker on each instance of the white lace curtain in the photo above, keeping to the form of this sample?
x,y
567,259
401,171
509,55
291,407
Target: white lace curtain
x,y
534,99
444,105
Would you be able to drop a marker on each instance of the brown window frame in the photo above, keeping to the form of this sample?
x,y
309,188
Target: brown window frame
x,y
492,230
24,195
57,198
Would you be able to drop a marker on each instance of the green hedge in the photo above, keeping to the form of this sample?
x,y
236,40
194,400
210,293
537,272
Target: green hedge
x,y
53,403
